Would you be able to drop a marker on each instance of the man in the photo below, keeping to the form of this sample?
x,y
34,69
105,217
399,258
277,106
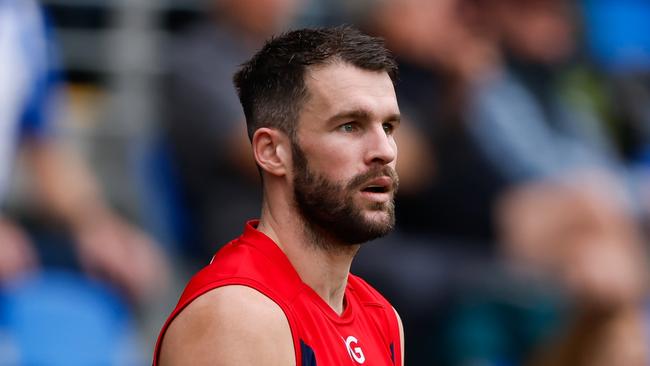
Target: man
x,y
321,113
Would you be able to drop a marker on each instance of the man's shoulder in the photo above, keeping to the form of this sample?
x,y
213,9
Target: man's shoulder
x,y
229,325
229,303
233,299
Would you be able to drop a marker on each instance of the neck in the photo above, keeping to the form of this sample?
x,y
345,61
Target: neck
x,y
321,262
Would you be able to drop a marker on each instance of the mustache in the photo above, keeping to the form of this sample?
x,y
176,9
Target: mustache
x,y
363,178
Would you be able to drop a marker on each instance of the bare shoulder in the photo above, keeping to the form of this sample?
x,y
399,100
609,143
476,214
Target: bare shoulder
x,y
230,325
401,332
399,322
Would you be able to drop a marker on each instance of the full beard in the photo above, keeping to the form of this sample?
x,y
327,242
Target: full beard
x,y
328,208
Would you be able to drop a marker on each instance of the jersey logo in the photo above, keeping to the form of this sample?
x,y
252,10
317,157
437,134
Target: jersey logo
x,y
354,350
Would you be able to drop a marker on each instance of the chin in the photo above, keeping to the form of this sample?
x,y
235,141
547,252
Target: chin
x,y
379,218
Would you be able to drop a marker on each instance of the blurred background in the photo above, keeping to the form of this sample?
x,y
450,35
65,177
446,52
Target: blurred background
x,y
522,217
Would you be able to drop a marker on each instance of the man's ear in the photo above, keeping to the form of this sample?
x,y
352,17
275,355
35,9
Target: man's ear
x,y
271,150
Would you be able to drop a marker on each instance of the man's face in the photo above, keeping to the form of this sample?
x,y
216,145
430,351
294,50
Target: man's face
x,y
344,157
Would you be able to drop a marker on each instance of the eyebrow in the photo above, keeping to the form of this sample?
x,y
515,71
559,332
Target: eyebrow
x,y
362,114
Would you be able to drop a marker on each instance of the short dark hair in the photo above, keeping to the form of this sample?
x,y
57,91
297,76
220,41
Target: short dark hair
x,y
271,85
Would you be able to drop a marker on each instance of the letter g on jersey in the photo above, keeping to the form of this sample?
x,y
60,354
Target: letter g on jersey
x,y
355,352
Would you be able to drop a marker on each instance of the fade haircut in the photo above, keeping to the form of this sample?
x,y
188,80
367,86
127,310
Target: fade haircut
x,y
271,85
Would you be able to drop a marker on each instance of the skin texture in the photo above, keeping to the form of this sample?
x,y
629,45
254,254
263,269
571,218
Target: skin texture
x,y
238,326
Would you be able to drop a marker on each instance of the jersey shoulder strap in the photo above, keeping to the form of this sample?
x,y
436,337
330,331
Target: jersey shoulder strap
x,y
243,263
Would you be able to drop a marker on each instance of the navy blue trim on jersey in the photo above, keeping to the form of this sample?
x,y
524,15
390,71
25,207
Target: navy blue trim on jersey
x,y
392,352
308,356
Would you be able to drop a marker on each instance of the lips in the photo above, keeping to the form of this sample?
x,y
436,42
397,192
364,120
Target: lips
x,y
379,185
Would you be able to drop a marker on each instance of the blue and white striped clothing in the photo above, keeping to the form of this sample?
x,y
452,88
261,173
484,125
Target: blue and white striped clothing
x,y
27,78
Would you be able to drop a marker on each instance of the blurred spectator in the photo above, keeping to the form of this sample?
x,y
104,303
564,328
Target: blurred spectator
x,y
206,128
536,123
552,127
567,205
106,246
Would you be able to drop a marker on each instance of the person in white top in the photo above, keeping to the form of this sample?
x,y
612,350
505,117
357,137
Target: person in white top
x,y
30,91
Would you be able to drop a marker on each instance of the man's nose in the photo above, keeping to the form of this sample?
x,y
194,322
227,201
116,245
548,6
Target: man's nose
x,y
381,147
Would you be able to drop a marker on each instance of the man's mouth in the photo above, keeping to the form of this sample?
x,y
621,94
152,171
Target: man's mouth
x,y
379,185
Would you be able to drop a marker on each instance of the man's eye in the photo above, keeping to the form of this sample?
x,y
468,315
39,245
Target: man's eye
x,y
388,128
348,127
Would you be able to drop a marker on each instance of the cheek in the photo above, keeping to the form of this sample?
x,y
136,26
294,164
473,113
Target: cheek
x,y
337,161
341,167
337,171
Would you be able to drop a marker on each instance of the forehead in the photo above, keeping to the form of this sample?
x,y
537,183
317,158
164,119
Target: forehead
x,y
339,86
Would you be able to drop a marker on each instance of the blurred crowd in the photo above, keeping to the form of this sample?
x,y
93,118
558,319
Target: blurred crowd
x,y
524,163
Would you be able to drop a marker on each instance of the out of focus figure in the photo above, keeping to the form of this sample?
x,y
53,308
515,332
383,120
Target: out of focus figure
x,y
573,206
31,89
535,121
105,246
205,125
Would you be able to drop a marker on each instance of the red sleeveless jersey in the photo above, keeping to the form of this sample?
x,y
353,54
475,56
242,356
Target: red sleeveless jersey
x,y
366,333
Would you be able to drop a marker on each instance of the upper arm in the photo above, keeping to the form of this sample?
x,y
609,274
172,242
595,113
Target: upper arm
x,y
401,333
231,325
